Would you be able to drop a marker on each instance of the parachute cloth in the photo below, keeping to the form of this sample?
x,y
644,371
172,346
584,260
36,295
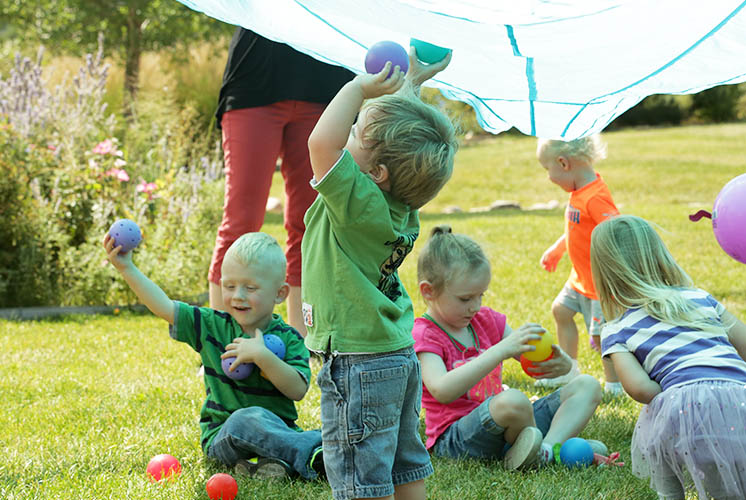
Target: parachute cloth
x,y
553,69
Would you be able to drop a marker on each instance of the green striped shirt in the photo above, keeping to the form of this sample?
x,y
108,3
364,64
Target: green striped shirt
x,y
208,331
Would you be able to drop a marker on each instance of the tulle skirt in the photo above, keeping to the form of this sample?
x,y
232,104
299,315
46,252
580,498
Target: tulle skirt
x,y
695,432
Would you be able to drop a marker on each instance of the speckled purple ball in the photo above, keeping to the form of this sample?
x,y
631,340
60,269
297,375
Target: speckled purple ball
x,y
241,372
125,233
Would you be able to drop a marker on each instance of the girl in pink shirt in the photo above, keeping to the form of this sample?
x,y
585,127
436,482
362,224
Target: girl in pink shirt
x,y
461,347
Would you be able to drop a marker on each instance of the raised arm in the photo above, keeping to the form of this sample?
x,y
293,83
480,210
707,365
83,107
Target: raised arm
x,y
330,135
419,73
148,292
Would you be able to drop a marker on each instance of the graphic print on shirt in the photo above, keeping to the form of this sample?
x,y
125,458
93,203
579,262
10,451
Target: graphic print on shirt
x,y
572,214
490,385
389,283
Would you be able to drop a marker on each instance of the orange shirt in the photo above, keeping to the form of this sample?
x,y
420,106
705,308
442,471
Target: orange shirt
x,y
588,207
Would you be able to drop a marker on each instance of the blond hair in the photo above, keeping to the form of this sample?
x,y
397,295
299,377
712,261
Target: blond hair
x,y
591,148
417,144
447,254
258,249
632,268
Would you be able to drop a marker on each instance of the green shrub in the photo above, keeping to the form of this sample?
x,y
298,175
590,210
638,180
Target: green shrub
x,y
718,104
66,176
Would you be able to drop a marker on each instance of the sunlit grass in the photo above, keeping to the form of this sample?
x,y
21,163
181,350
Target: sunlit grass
x,y
88,400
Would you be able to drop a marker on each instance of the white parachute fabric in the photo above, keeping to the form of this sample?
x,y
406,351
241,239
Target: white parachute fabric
x,y
554,69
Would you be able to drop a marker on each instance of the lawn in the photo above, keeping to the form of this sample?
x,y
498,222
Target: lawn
x,y
88,400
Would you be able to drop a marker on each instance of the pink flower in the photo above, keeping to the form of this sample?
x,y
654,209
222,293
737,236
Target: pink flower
x,y
119,162
146,187
52,147
105,147
119,173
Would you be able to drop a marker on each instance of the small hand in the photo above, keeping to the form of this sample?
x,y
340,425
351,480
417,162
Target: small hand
x,y
375,85
246,349
515,344
419,72
119,260
559,364
551,257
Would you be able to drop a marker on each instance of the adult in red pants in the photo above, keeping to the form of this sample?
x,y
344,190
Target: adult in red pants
x,y
270,100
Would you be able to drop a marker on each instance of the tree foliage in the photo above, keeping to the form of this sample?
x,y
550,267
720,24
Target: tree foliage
x,y
129,27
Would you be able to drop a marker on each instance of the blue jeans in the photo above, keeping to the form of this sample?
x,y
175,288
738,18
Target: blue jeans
x,y
370,416
257,432
476,435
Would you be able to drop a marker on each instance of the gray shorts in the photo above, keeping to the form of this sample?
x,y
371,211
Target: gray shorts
x,y
476,435
589,308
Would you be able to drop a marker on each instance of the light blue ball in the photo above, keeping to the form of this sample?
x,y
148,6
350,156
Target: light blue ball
x,y
576,452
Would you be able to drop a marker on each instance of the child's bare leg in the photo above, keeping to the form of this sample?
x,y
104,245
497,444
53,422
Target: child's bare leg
x,y
579,399
512,411
295,311
410,491
567,331
609,372
216,296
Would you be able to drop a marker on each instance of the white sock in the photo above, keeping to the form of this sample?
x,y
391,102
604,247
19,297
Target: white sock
x,y
545,453
614,387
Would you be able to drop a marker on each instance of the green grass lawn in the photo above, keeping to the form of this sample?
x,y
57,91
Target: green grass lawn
x,y
86,401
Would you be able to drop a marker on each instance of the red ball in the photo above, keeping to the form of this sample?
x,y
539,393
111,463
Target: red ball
x,y
527,363
163,466
221,487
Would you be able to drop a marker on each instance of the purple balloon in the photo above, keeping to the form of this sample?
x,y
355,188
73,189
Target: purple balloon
x,y
382,52
241,372
729,218
125,233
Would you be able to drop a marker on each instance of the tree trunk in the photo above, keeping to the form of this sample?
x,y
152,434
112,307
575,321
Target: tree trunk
x,y
132,63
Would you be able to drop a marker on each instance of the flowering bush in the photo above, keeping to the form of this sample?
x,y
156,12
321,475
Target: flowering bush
x,y
66,175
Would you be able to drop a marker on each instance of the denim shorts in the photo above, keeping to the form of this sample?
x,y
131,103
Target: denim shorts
x,y
589,308
370,417
476,435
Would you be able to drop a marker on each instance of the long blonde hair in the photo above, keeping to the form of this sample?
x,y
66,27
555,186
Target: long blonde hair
x,y
632,268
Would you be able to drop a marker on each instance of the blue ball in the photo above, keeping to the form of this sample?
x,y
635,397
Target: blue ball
x,y
275,344
125,233
576,452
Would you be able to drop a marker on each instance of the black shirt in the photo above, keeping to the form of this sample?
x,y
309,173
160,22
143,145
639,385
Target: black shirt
x,y
261,72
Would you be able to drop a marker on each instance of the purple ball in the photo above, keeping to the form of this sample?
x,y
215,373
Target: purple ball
x,y
382,52
576,452
729,218
275,344
241,372
125,233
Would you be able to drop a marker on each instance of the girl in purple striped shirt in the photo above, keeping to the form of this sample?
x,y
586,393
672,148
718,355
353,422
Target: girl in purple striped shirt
x,y
680,353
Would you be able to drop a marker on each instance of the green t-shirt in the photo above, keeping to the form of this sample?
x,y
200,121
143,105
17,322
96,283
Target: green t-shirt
x,y
208,331
356,238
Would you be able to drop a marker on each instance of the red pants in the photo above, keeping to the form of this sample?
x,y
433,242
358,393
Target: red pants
x,y
253,139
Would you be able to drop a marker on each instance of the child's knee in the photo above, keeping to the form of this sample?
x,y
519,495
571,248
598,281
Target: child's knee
x,y
562,313
586,387
510,406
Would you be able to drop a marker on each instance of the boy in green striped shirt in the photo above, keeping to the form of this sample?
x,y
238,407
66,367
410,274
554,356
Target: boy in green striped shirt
x,y
248,423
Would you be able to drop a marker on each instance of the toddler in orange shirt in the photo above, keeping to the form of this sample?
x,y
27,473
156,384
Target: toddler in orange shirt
x,y
570,166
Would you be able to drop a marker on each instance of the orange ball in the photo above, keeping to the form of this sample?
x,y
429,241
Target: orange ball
x,y
543,348
163,466
526,363
221,487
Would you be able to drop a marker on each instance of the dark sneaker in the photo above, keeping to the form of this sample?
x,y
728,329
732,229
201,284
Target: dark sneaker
x,y
525,450
317,462
263,468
